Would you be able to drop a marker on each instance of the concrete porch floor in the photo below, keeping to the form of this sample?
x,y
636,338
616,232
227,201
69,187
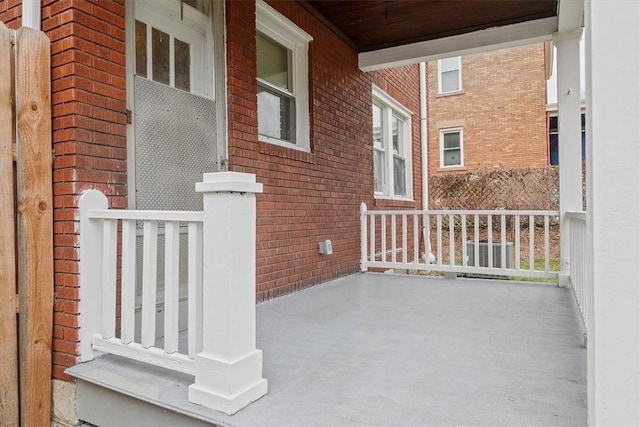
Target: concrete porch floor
x,y
380,349
389,350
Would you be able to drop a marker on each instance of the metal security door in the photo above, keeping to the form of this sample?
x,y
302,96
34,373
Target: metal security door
x,y
174,123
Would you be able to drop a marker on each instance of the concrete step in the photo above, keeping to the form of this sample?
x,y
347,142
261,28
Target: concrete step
x,y
115,391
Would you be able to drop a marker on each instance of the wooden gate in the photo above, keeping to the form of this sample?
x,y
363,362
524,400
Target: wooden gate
x,y
26,228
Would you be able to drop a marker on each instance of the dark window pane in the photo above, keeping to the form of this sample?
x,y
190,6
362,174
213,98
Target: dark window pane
x,y
379,177
273,62
399,177
452,140
141,49
450,81
160,56
377,126
275,115
452,158
182,65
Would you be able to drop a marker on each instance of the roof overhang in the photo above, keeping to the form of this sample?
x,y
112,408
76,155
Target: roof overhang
x,y
524,33
390,33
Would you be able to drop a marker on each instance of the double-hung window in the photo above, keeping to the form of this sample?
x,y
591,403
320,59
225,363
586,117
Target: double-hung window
x,y
283,89
391,147
449,75
451,154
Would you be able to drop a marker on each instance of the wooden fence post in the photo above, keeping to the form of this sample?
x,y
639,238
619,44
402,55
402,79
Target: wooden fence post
x,y
9,400
35,224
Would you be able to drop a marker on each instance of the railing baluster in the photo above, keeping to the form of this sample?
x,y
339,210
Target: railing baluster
x,y
404,239
194,289
546,243
110,256
503,242
416,240
171,285
490,240
128,294
517,241
149,271
476,240
463,219
372,241
383,238
532,231
393,239
452,241
439,230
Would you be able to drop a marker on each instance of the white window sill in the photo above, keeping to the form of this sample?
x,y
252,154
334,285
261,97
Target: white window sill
x,y
451,168
281,143
453,93
394,198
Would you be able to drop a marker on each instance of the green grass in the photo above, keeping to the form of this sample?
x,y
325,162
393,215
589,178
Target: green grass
x,y
554,265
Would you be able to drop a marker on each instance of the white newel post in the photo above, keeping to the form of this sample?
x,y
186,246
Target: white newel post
x,y
569,139
91,270
229,368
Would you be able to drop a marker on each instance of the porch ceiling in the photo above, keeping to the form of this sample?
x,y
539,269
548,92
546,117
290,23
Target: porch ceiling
x,y
370,25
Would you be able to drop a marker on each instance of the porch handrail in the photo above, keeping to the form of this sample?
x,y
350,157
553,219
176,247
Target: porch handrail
x,y
476,239
221,352
579,265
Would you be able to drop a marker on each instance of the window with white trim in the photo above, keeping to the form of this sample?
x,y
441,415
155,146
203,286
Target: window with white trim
x,y
451,148
391,147
450,75
283,87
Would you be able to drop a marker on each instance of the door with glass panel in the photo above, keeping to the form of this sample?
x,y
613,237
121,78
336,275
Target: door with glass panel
x,y
172,134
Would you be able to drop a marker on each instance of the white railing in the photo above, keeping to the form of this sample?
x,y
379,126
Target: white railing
x,y
149,349
489,242
220,276
579,266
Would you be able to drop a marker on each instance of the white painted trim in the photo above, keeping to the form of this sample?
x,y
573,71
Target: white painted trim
x,y
279,28
490,39
390,107
570,14
440,71
152,355
31,14
451,130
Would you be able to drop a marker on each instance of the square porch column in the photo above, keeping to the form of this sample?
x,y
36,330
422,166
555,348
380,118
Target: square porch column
x,y
569,139
229,368
612,52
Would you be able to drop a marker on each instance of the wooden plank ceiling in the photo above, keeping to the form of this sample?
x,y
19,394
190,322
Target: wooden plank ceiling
x,y
369,25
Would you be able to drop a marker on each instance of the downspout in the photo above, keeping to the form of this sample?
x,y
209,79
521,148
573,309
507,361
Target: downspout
x,y
425,160
31,14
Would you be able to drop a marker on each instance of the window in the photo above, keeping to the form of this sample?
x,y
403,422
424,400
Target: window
x,y
391,147
283,89
449,75
554,159
451,153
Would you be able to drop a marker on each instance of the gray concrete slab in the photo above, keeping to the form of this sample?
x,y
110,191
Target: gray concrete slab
x,y
378,349
387,350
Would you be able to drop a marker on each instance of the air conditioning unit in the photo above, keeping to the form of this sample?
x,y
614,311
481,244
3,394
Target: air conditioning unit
x,y
483,256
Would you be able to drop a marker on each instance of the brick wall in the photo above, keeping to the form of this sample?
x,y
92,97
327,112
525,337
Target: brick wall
x,y
11,13
502,108
89,143
89,139
309,197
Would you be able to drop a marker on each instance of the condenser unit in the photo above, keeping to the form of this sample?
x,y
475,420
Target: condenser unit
x,y
483,255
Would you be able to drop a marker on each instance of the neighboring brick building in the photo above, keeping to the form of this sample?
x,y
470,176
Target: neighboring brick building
x,y
488,110
313,186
